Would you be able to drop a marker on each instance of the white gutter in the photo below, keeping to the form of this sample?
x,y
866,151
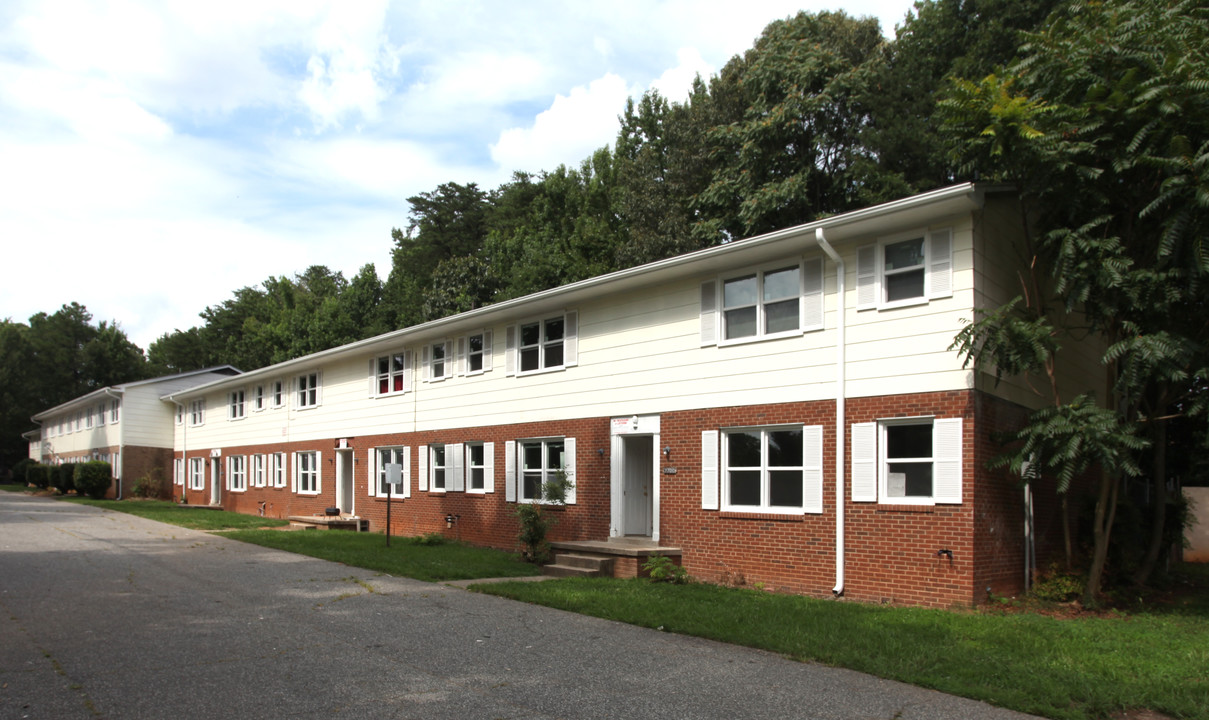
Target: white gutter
x,y
840,389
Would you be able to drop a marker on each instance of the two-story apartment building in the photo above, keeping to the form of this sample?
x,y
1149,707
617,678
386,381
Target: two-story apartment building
x,y
126,425
783,409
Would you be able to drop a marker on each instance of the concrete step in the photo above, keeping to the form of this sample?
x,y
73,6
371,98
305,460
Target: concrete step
x,y
576,565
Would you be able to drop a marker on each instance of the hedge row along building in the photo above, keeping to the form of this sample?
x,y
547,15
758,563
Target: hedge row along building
x,y
783,409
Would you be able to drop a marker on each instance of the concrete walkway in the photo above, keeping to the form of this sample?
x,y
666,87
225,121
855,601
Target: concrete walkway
x,y
106,615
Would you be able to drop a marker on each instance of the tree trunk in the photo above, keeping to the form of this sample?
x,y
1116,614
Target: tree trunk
x,y
1106,512
1158,503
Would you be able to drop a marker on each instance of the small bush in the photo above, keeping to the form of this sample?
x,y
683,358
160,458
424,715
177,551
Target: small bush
x,y
93,478
534,526
147,486
64,477
38,475
20,469
660,568
429,539
1056,585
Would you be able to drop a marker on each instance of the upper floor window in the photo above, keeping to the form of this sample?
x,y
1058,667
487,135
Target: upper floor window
x,y
278,394
258,398
475,352
391,373
905,269
548,344
436,361
115,410
197,412
79,421
180,414
907,461
779,301
88,419
235,406
101,411
308,390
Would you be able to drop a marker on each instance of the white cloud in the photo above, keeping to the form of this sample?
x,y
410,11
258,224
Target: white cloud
x,y
570,130
675,83
351,56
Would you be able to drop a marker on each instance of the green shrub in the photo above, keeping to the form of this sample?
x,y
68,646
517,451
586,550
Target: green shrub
x,y
20,469
147,486
38,475
660,568
430,539
1056,585
93,478
64,477
534,520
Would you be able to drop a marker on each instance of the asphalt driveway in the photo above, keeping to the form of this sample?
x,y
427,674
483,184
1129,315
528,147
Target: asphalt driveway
x,y
106,615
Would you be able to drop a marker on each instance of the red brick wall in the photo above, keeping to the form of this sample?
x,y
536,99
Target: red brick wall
x,y
139,461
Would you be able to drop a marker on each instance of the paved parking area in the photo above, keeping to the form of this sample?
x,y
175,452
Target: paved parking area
x,y
106,615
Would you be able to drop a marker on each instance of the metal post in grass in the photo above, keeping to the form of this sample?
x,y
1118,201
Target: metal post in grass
x,y
394,476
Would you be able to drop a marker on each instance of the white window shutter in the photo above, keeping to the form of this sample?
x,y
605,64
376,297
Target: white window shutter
x,y
812,468
294,474
459,468
489,467
864,462
510,471
510,350
709,469
423,451
425,371
709,313
488,350
318,472
373,377
940,264
569,468
946,453
866,277
571,338
460,360
407,471
450,362
407,361
371,464
227,478
812,295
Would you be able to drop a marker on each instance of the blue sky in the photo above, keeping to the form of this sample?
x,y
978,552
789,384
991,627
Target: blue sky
x,y
156,156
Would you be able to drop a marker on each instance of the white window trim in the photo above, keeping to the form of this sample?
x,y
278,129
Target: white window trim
x,y
376,377
377,469
178,471
278,470
237,473
101,410
278,393
318,471
937,269
237,408
488,467
717,461
869,461
197,473
115,411
297,390
463,353
428,359
259,471
197,412
512,346
514,470
260,399
428,468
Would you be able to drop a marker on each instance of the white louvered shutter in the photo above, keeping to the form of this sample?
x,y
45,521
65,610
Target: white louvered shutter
x,y
812,468
946,449
569,467
488,350
510,471
459,366
407,471
940,264
510,350
489,467
425,362
866,277
459,468
812,295
709,469
709,313
423,451
571,338
373,377
864,462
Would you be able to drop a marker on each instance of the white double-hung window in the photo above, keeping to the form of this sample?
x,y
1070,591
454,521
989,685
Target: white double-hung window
x,y
761,303
438,365
237,473
542,345
197,473
910,268
480,467
382,458
308,390
306,472
235,405
532,464
474,353
907,461
197,412
775,469
390,374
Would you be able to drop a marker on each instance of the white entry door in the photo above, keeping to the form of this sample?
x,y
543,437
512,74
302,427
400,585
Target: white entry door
x,y
344,481
216,481
637,485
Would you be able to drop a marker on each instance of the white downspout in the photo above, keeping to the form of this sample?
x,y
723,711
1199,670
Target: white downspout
x,y
840,362
121,446
184,449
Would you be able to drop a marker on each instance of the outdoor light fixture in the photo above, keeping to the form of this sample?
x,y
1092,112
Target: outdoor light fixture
x,y
667,452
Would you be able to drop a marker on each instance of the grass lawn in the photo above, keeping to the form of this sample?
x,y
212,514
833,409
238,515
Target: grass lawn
x,y
1086,667
406,557
194,518
13,487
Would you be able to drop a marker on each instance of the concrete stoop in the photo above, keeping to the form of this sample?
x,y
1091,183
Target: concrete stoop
x,y
580,565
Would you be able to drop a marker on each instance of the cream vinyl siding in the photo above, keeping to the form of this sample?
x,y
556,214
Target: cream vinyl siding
x,y
639,352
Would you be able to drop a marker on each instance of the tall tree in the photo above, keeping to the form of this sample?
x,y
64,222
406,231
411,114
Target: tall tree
x,y
1104,125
